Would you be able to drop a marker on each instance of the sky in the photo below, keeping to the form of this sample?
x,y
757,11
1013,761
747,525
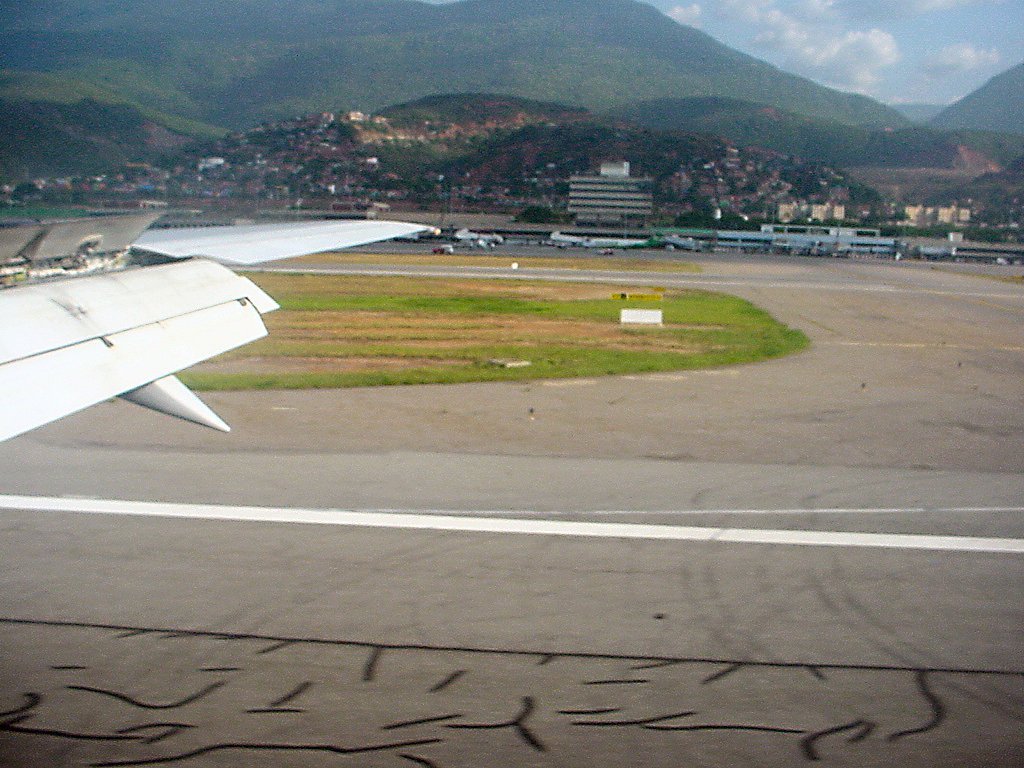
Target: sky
x,y
897,51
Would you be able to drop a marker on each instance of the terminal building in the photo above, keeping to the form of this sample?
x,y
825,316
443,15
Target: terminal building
x,y
611,199
792,239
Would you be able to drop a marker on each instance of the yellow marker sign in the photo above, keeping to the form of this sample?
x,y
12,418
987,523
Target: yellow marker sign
x,y
638,296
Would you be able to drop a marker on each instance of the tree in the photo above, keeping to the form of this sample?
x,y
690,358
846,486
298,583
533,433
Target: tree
x,y
24,191
539,214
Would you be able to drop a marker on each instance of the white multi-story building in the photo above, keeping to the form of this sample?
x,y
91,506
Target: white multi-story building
x,y
612,198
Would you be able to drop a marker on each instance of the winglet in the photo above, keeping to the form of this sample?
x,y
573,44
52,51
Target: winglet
x,y
168,395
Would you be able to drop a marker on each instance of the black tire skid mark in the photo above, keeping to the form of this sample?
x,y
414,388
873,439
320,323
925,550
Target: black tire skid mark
x,y
716,676
808,744
33,700
15,726
518,724
200,694
292,695
420,721
214,748
166,731
450,680
938,710
644,721
420,761
370,668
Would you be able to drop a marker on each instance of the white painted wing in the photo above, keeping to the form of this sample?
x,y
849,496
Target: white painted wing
x,y
257,243
69,344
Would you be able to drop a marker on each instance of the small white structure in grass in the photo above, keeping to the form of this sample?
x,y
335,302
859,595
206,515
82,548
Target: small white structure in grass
x,y
640,317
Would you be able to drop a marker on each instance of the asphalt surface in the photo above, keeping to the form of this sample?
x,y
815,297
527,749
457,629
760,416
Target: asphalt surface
x,y
452,625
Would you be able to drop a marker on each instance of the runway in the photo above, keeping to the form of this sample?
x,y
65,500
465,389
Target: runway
x,y
815,559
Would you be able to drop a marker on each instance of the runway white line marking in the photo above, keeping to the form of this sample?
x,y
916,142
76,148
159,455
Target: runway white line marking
x,y
521,526
805,511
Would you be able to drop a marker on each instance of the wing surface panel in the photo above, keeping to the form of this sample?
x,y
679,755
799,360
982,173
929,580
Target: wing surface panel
x,y
70,344
47,386
38,318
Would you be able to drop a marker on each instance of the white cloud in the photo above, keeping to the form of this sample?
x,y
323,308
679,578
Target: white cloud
x,y
856,58
961,57
814,45
686,14
899,9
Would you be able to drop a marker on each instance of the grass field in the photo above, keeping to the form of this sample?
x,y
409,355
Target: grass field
x,y
350,331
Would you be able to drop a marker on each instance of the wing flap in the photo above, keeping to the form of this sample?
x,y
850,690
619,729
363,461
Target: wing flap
x,y
42,317
39,389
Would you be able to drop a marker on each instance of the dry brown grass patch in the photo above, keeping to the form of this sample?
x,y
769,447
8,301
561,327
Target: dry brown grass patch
x,y
379,328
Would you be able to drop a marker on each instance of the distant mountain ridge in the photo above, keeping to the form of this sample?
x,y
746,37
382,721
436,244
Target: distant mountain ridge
x,y
826,141
238,62
997,106
489,152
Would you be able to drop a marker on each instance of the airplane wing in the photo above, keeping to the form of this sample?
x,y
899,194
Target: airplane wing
x,y
257,243
71,343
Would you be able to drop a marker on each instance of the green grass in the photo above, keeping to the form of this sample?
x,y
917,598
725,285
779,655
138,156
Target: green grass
x,y
428,336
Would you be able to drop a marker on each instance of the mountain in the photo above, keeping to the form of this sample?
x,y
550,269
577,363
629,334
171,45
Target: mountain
x,y
238,62
511,162
53,126
996,106
825,141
